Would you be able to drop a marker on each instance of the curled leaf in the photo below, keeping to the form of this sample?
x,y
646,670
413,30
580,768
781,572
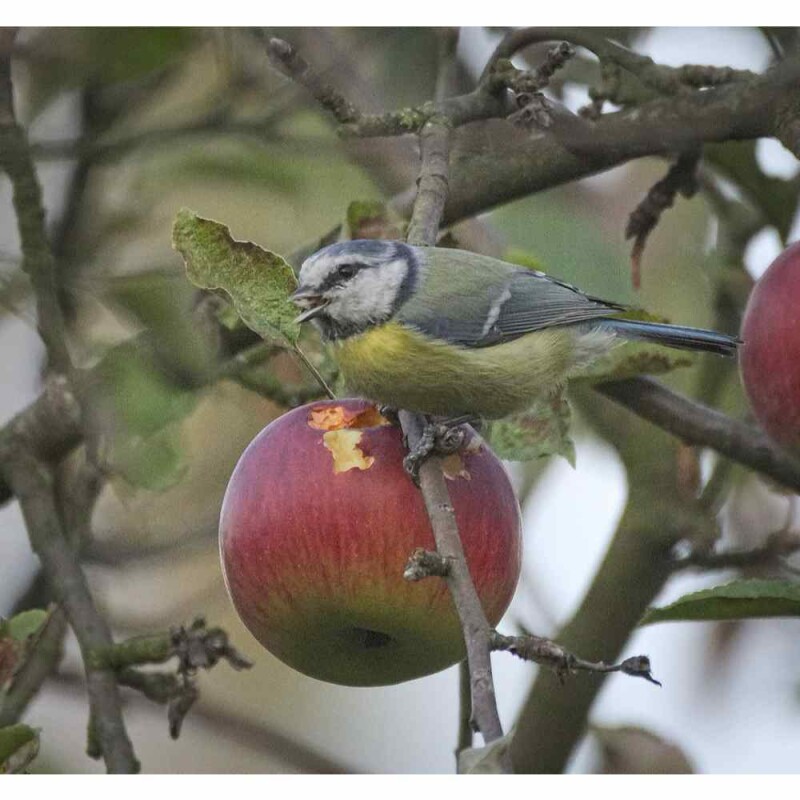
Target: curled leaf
x,y
258,282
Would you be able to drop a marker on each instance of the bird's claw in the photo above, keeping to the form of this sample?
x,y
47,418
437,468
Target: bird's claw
x,y
390,414
437,438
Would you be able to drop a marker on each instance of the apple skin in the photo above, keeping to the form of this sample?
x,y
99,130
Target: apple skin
x,y
313,557
770,356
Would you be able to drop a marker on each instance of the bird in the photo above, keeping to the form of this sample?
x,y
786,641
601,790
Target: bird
x,y
454,334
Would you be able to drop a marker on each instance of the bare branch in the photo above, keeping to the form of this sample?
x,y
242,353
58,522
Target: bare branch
x,y
700,425
37,259
294,66
662,126
777,546
668,80
552,655
32,484
29,478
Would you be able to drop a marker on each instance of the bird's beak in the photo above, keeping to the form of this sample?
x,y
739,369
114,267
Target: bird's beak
x,y
311,302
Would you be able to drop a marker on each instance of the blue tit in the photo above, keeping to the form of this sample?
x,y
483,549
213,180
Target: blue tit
x,y
450,333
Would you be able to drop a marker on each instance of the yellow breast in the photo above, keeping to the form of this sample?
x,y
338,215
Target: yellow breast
x,y
397,366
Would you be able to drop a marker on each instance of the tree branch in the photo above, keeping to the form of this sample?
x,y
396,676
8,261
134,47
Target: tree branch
x,y
777,546
31,480
33,486
633,571
223,723
697,424
665,125
37,260
668,80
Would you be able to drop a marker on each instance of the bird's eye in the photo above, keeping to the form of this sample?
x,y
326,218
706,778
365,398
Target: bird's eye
x,y
347,270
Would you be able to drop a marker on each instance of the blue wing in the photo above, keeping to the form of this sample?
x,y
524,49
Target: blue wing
x,y
476,301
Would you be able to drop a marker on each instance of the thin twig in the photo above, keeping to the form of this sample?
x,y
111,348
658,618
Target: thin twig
x,y
480,104
552,655
303,358
777,546
670,80
432,187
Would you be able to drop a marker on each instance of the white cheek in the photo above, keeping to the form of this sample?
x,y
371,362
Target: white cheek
x,y
371,295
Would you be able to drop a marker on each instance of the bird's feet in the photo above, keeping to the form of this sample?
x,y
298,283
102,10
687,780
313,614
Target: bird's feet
x,y
390,414
441,437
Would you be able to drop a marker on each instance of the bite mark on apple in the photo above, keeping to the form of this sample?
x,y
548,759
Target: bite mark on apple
x,y
336,418
343,446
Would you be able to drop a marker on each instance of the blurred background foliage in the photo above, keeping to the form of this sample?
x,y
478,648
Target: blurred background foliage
x,y
128,126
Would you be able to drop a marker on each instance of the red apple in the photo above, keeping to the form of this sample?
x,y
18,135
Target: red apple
x,y
317,525
770,355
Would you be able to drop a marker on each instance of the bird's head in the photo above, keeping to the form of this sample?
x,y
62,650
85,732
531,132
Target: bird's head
x,y
348,287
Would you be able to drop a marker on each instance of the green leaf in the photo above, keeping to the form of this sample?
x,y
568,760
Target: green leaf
x,y
542,430
142,398
23,625
635,751
628,359
162,302
241,166
19,745
259,282
122,54
370,219
156,463
137,407
16,636
9,659
743,599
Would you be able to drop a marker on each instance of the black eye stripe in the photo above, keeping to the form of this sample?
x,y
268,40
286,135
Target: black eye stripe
x,y
341,273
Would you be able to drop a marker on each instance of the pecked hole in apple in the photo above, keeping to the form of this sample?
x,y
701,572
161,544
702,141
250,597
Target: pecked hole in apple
x,y
343,447
340,417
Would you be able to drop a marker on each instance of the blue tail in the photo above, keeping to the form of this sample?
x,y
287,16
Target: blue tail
x,y
674,336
